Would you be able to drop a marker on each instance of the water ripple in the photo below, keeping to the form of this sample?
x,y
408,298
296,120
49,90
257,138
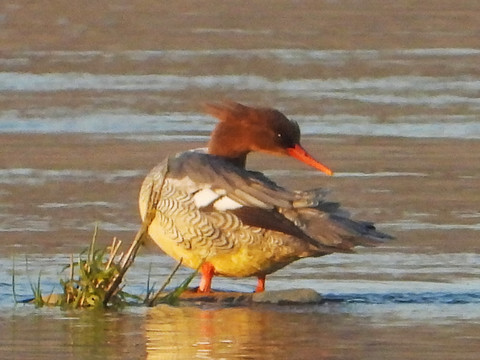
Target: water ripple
x,y
290,56
28,176
12,81
406,298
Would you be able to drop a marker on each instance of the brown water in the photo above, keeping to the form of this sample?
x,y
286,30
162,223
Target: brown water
x,y
386,92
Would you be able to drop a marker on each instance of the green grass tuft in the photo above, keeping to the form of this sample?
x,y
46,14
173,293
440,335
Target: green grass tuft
x,y
91,275
95,278
90,279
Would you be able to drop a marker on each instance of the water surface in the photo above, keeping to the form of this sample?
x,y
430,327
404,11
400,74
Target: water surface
x,y
386,94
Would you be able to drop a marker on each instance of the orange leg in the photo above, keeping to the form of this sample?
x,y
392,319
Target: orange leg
x,y
207,271
260,284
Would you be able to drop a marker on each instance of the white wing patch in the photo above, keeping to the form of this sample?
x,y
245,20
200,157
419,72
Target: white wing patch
x,y
221,202
205,197
225,203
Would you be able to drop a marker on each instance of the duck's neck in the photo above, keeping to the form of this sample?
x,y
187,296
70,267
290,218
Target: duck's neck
x,y
239,161
228,143
235,159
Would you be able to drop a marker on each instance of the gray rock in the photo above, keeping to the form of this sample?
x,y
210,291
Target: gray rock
x,y
292,296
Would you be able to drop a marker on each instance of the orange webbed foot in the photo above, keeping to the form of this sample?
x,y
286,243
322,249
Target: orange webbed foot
x,y
207,270
260,284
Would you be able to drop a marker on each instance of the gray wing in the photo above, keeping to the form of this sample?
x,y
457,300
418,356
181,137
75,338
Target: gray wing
x,y
217,185
221,184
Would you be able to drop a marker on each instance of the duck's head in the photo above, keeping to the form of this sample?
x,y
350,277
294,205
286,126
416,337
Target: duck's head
x,y
243,129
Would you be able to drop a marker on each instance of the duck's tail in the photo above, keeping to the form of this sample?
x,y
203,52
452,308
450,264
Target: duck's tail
x,y
330,226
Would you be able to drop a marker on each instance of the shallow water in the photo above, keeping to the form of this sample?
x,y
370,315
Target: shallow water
x,y
91,98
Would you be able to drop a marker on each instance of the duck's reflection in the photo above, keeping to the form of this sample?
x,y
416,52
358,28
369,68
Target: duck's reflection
x,y
193,333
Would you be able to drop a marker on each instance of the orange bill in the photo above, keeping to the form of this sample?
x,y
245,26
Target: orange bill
x,y
299,153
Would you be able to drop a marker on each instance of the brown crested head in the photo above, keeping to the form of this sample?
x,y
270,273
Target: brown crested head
x,y
243,129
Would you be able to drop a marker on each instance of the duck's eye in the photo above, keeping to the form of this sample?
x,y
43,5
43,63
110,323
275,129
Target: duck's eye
x,y
283,139
280,139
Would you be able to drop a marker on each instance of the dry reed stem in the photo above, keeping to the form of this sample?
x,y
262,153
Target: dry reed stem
x,y
151,302
129,256
113,251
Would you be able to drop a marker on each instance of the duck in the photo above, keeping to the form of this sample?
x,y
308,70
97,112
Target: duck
x,y
216,216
